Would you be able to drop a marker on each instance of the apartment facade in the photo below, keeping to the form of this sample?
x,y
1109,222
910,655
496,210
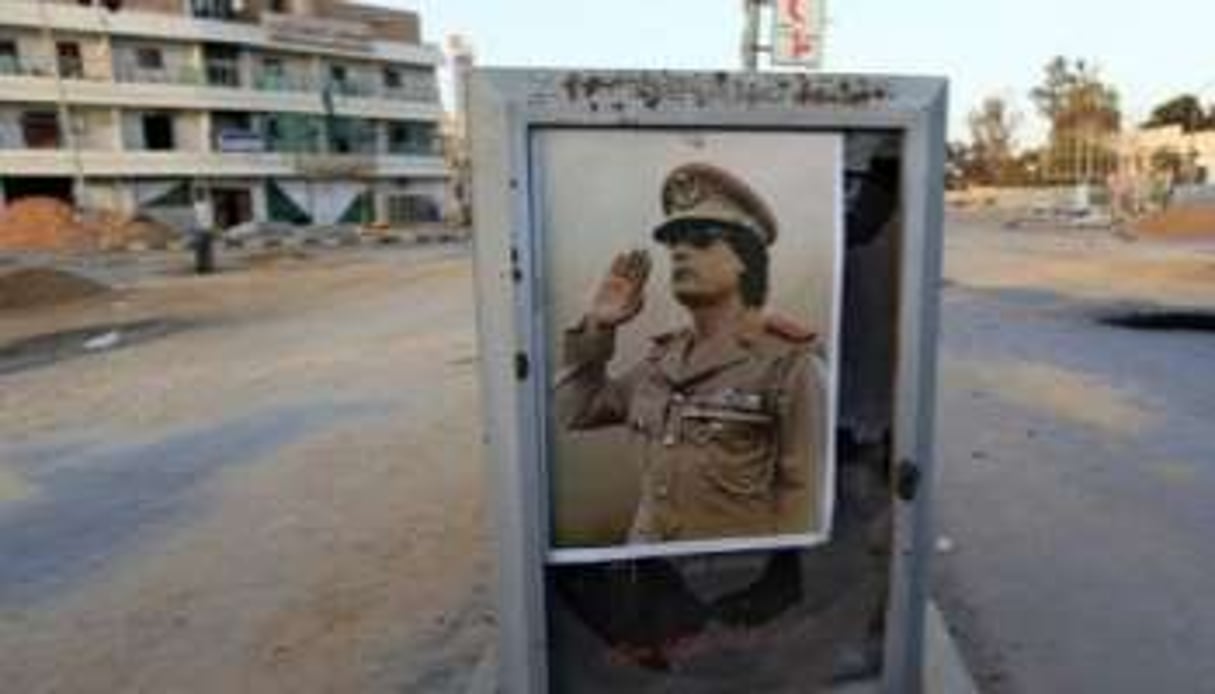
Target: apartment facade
x,y
292,111
1168,151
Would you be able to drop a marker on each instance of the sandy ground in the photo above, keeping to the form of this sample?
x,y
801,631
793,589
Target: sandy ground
x,y
285,496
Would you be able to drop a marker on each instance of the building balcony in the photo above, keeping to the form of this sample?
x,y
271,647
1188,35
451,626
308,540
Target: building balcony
x,y
270,35
145,164
186,88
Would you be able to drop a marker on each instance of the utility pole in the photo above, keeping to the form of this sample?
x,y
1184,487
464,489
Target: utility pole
x,y
750,38
66,126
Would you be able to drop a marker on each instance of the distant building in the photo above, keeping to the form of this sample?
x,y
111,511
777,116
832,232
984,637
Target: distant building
x,y
1168,151
297,111
459,160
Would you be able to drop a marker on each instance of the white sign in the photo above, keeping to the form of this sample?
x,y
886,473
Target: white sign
x,y
313,31
234,140
797,32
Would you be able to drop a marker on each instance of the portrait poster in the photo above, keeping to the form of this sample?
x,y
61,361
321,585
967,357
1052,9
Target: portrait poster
x,y
691,289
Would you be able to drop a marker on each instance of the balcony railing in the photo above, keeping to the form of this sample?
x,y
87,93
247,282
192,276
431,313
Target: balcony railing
x,y
26,67
227,74
222,73
282,81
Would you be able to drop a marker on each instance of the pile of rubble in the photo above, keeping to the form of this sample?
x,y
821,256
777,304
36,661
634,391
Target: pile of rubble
x,y
1179,221
49,224
42,224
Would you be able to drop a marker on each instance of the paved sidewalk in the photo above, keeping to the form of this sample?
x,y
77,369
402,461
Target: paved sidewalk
x,y
944,671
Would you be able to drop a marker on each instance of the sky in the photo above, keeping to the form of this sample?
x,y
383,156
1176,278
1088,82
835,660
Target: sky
x,y
1150,51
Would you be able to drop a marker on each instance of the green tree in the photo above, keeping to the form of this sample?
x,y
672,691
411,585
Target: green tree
x,y
1185,110
993,128
1084,116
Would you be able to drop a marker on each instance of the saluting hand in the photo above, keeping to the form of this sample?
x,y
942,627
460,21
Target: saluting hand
x,y
621,293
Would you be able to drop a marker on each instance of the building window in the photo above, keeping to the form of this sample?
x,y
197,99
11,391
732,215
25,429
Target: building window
x,y
71,65
148,58
291,132
273,75
10,61
352,136
280,6
157,131
338,76
412,209
392,78
216,9
411,138
40,129
223,65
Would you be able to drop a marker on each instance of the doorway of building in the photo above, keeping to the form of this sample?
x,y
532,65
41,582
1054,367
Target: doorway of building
x,y
36,187
233,206
158,131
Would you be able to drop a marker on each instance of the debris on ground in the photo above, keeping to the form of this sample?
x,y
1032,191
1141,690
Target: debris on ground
x,y
277,257
50,224
113,230
103,341
1180,221
39,286
42,224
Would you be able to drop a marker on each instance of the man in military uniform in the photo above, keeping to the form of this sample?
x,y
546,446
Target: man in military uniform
x,y
727,415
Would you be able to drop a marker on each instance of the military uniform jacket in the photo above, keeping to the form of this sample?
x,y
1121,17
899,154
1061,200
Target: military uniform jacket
x,y
729,445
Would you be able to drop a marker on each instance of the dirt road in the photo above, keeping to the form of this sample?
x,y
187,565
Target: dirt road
x,y
285,495
1077,463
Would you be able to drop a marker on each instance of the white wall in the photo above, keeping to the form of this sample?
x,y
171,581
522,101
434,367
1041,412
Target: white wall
x,y
108,195
95,128
190,131
324,200
145,191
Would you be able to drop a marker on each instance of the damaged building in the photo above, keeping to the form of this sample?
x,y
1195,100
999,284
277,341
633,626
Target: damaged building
x,y
291,111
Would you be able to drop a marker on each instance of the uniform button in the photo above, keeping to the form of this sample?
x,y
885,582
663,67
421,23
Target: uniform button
x,y
668,440
678,397
662,491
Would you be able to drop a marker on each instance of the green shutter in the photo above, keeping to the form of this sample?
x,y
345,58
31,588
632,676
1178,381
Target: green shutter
x,y
281,208
360,211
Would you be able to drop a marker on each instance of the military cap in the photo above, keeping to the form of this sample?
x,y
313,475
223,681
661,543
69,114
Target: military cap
x,y
697,193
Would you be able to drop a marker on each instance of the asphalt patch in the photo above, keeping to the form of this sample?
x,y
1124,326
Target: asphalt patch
x,y
49,348
1172,321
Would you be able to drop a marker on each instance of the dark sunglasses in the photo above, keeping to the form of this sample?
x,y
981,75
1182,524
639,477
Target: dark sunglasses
x,y
695,235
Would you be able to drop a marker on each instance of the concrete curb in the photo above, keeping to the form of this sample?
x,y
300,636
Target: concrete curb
x,y
313,241
944,670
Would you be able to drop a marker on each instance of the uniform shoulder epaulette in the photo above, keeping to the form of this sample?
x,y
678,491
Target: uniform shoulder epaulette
x,y
787,329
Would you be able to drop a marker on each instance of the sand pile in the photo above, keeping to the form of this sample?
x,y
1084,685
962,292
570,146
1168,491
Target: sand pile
x,y
47,224
1180,221
43,224
39,286
112,230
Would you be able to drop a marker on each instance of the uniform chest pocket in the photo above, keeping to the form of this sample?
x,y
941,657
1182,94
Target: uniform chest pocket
x,y
734,430
738,447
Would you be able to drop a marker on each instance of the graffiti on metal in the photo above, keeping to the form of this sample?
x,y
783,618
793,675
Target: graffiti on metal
x,y
668,91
